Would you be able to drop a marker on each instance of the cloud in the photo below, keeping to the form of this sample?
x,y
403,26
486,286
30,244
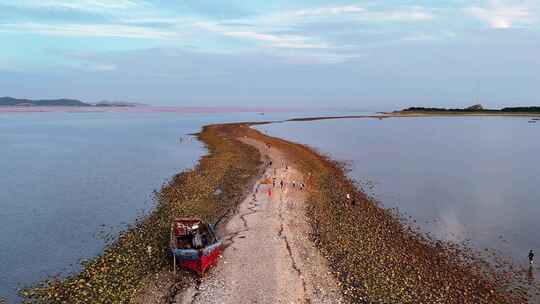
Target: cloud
x,y
285,41
329,10
79,5
406,15
354,13
269,40
502,15
313,34
292,30
83,30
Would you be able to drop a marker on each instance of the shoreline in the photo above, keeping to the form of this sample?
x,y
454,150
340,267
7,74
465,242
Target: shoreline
x,y
450,114
377,259
384,115
126,265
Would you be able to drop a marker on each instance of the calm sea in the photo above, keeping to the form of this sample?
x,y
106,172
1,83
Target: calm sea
x,y
474,178
67,178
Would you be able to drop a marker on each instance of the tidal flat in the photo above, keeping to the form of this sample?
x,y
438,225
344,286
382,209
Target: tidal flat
x,y
373,253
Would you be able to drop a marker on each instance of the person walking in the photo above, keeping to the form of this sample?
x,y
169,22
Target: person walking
x,y
531,257
351,199
281,184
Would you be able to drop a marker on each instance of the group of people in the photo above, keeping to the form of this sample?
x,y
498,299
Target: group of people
x,y
282,184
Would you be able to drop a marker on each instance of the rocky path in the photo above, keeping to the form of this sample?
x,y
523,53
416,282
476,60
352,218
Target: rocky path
x,y
268,256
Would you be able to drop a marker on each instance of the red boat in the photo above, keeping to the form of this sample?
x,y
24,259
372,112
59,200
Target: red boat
x,y
194,244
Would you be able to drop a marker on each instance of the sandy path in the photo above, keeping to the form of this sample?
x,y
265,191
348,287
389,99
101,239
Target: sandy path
x,y
269,258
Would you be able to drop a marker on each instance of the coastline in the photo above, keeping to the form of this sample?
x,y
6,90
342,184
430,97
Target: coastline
x,y
125,265
374,256
383,115
454,114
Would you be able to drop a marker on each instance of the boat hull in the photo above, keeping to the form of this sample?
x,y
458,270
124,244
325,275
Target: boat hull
x,y
198,260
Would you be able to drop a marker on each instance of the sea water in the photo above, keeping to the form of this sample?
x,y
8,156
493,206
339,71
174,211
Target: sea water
x,y
459,178
68,177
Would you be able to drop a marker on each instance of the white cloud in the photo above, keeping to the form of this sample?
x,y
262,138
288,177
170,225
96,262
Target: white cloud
x,y
80,30
270,40
79,5
285,41
264,28
504,14
352,13
407,15
308,35
329,10
285,33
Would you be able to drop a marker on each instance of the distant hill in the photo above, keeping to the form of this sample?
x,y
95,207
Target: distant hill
x,y
10,101
474,109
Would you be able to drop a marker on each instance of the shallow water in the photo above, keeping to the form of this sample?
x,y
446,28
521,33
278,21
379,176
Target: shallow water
x,y
66,177
464,178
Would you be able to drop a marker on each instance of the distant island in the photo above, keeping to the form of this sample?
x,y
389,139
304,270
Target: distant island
x,y
63,102
10,101
472,109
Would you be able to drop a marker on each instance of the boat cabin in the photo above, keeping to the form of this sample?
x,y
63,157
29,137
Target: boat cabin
x,y
194,244
192,234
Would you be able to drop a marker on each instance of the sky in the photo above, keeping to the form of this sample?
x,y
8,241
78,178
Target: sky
x,y
297,53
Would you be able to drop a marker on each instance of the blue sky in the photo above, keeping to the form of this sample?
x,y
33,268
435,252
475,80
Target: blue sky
x,y
363,54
